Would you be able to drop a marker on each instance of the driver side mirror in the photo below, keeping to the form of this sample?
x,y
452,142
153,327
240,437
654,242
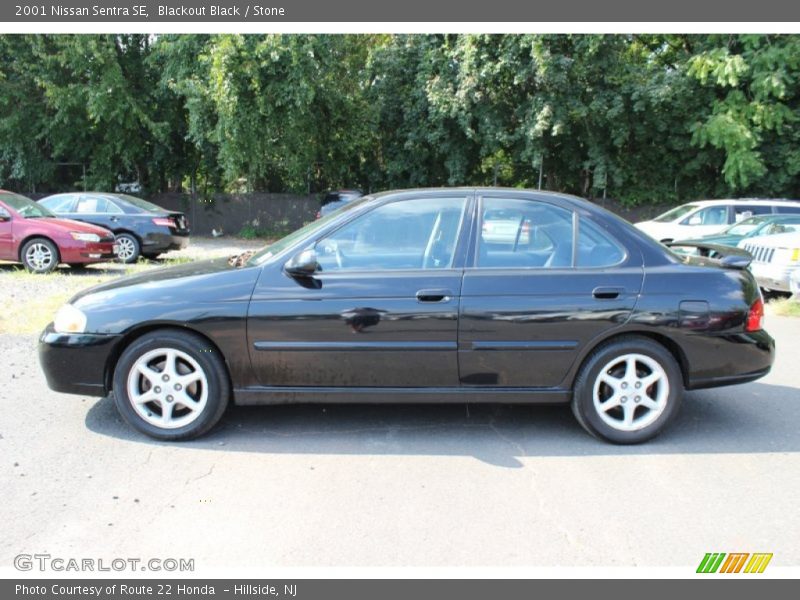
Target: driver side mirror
x,y
4,215
303,264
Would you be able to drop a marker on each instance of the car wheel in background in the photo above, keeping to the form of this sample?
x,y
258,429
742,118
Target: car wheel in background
x,y
628,390
171,385
39,255
128,247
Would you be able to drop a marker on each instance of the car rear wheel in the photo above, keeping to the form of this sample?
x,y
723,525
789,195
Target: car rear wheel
x,y
128,248
171,385
628,390
39,255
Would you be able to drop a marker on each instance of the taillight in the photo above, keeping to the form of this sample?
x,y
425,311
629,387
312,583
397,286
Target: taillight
x,y
164,222
755,316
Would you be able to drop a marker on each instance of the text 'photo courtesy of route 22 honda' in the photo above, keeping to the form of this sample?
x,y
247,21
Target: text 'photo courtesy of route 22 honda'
x,y
420,296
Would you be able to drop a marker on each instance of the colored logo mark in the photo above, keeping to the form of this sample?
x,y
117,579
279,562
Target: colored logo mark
x,y
734,562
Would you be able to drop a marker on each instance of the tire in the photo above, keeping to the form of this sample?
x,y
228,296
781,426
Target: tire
x,y
39,255
625,405
129,248
144,372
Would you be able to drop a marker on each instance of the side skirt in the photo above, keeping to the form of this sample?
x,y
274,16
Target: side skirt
x,y
257,395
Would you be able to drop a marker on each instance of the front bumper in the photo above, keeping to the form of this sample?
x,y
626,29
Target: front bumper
x,y
774,277
87,252
75,363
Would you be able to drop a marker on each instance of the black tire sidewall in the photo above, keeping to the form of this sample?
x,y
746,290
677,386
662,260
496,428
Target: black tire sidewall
x,y
209,360
46,242
583,404
137,248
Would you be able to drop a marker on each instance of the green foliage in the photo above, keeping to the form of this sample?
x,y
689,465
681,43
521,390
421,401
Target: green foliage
x,y
641,118
254,230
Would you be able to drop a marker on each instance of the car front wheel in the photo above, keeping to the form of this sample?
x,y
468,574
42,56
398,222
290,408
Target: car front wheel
x,y
171,385
628,390
39,255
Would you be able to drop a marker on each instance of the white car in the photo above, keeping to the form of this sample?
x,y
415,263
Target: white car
x,y
794,283
707,217
776,258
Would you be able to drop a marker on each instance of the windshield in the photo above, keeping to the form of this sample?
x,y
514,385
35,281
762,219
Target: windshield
x,y
139,203
675,213
746,226
275,248
26,207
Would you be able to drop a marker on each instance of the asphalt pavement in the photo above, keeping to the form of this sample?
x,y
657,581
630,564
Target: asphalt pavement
x,y
451,485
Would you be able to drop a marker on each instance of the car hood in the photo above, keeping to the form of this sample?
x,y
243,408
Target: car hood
x,y
651,227
720,240
166,277
67,225
778,240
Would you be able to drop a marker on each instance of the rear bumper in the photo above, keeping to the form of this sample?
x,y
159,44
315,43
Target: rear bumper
x,y
156,241
75,363
738,358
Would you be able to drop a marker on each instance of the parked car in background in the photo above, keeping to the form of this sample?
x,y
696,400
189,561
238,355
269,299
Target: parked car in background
x,y
32,235
402,297
751,227
141,227
335,200
708,217
775,259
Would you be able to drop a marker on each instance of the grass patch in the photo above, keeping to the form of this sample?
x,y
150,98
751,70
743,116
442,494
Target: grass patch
x,y
29,308
785,307
33,316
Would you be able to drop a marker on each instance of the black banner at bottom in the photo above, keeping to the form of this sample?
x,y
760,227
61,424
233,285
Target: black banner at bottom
x,y
383,589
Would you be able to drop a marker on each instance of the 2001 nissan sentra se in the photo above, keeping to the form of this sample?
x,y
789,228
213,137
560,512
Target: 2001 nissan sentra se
x,y
443,295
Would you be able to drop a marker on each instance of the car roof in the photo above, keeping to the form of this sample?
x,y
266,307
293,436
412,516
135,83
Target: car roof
x,y
757,201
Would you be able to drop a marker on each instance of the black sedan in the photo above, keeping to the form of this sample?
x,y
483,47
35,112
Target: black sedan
x,y
141,227
422,296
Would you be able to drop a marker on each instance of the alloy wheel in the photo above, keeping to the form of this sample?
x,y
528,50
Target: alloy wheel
x,y
39,256
126,248
631,392
167,388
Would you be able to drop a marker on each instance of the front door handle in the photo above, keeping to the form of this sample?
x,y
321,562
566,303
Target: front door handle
x,y
436,295
607,293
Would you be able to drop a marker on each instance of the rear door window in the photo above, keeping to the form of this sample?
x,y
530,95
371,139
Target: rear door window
x,y
524,233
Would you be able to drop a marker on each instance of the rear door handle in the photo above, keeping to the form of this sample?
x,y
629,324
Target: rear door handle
x,y
607,293
435,295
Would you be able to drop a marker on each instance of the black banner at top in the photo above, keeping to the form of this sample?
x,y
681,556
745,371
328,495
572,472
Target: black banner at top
x,y
294,11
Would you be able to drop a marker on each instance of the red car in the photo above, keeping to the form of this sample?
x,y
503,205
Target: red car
x,y
32,235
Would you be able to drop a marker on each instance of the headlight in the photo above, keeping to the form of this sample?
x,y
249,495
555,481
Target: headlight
x,y
69,319
85,237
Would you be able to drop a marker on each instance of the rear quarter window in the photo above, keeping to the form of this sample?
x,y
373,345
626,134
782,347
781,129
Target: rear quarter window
x,y
596,247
